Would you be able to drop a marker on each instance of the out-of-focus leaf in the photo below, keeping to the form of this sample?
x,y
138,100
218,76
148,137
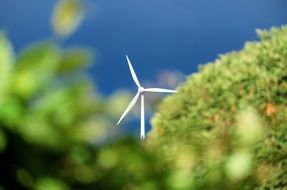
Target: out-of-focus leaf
x,y
35,67
67,16
38,131
76,100
94,131
74,59
238,165
11,112
51,184
108,158
25,178
250,128
6,61
2,141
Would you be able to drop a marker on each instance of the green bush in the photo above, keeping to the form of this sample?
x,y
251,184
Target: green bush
x,y
227,126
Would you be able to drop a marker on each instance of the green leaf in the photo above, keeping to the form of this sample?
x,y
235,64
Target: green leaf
x,y
37,130
249,127
3,141
6,63
35,67
11,112
67,17
50,183
238,165
74,60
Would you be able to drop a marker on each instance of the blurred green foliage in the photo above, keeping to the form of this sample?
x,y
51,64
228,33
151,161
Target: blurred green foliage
x,y
53,124
67,16
225,129
227,126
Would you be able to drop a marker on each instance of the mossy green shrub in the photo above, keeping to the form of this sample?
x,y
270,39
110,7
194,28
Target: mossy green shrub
x,y
226,128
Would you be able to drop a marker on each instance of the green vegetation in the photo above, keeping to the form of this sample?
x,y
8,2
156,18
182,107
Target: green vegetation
x,y
53,122
225,128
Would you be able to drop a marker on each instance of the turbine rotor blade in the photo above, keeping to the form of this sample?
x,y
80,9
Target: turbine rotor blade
x,y
132,103
142,118
159,90
133,72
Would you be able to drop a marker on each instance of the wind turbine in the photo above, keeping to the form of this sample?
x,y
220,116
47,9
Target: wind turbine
x,y
141,91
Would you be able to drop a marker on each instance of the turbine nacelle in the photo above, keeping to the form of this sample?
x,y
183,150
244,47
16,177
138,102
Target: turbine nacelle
x,y
140,92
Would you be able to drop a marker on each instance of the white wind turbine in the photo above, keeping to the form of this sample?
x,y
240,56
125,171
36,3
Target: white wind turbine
x,y
140,92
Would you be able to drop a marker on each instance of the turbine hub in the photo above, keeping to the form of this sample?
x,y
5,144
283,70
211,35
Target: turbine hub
x,y
141,90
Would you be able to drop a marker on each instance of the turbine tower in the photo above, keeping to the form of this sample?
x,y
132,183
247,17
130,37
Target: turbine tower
x,y
141,91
